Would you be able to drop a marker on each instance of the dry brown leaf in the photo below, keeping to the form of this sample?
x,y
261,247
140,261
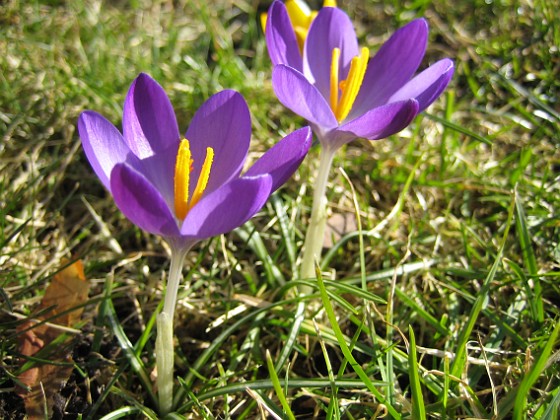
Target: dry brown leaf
x,y
69,289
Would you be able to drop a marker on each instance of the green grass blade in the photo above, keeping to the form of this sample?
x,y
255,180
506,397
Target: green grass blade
x,y
299,317
287,230
266,384
120,413
458,128
425,315
531,377
129,351
278,387
553,408
535,297
346,351
418,409
251,236
461,353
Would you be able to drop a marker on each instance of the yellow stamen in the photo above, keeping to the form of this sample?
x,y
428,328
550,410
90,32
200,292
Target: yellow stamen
x,y
351,86
334,78
329,3
183,169
203,177
182,173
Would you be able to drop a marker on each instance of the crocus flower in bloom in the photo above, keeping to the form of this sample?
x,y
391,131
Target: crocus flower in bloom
x,y
344,95
335,86
185,188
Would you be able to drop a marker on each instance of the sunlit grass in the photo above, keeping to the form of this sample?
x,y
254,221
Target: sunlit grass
x,y
459,222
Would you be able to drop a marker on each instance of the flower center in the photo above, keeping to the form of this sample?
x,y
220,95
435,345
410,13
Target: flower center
x,y
183,169
343,93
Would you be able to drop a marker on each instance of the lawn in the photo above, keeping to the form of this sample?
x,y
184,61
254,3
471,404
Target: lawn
x,y
437,296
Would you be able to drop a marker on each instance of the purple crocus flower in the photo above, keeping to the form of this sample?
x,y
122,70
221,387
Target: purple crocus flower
x,y
344,95
185,189
336,87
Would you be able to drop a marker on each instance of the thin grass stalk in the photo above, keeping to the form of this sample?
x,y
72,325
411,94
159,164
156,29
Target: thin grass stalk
x,y
531,377
346,351
333,410
299,317
530,262
278,387
418,409
135,361
461,356
266,384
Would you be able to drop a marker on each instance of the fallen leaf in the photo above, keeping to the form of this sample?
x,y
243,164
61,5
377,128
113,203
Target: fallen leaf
x,y
60,306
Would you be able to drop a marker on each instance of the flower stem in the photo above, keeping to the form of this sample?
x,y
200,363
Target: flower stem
x,y
164,341
316,229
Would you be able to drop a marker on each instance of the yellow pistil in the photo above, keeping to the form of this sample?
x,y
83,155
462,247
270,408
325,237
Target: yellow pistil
x,y
183,169
349,87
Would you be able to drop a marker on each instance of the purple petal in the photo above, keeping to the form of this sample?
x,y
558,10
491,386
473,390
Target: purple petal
x,y
160,171
332,28
103,144
280,37
382,121
227,207
283,159
428,85
141,202
149,123
393,66
223,122
296,93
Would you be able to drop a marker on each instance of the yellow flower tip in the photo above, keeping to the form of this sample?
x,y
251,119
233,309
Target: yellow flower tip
x,y
203,178
351,86
181,181
329,3
263,17
299,13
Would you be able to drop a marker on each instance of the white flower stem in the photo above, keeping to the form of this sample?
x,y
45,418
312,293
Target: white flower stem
x,y
165,353
316,230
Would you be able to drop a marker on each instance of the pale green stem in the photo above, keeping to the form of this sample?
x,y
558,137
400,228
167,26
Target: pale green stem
x,y
316,230
165,353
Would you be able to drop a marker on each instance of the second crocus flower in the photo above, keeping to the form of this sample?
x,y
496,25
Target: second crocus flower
x,y
344,94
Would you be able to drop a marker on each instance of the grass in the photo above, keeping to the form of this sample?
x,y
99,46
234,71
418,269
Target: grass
x,y
444,305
